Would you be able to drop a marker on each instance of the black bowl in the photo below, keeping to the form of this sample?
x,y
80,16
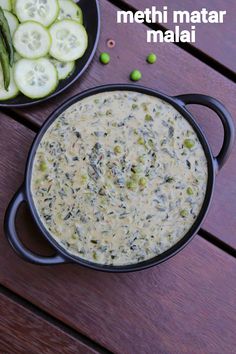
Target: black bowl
x,y
91,14
214,165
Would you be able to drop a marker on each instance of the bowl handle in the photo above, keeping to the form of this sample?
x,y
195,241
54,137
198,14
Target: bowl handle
x,y
225,118
10,231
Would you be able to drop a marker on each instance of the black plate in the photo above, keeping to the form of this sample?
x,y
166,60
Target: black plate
x,y
91,14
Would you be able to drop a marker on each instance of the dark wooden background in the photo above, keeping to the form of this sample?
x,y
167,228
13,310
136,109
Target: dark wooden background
x,y
186,305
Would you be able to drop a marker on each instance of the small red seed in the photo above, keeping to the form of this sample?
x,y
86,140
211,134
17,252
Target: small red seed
x,y
111,43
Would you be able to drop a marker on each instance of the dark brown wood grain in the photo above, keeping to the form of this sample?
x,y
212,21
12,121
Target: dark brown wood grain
x,y
216,40
22,331
176,72
186,305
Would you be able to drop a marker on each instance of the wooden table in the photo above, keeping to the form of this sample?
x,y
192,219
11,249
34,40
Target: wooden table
x,y
186,305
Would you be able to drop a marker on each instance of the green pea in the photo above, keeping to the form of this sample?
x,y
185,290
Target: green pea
x,y
117,149
184,213
151,58
169,179
135,75
134,106
132,185
84,178
141,141
148,118
189,191
189,143
43,166
109,112
143,182
105,58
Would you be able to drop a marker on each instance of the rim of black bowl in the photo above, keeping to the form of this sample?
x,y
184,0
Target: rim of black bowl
x,y
94,8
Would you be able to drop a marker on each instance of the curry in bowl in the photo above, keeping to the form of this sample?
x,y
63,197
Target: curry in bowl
x,y
119,177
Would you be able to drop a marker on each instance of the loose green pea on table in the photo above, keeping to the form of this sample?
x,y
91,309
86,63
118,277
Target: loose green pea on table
x,y
105,58
135,75
151,58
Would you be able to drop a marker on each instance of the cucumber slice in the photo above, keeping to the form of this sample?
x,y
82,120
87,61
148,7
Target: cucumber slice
x,y
31,40
12,89
42,11
64,69
69,40
69,10
12,21
5,4
35,78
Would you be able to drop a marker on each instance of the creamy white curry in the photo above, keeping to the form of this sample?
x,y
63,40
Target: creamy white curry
x,y
119,178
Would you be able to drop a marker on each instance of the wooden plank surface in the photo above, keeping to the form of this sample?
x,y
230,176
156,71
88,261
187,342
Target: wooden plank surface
x,y
22,331
175,307
176,72
215,40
